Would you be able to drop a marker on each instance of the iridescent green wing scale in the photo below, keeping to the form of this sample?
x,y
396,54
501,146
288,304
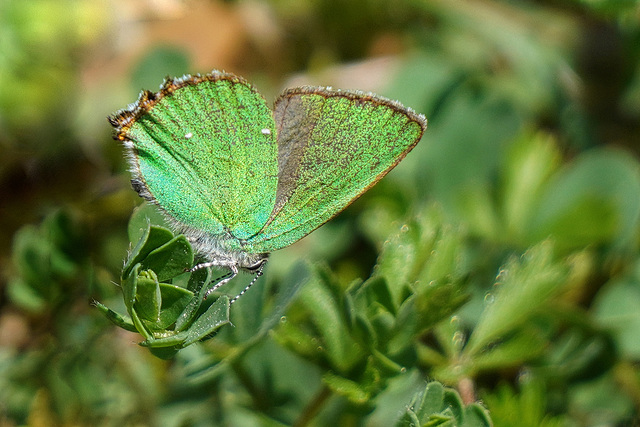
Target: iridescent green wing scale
x,y
332,147
203,148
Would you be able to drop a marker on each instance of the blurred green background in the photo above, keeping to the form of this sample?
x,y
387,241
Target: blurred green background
x,y
500,258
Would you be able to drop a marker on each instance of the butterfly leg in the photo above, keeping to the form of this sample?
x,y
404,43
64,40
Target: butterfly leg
x,y
219,263
234,273
258,273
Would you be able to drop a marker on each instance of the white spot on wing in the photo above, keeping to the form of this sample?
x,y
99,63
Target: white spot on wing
x,y
188,135
266,131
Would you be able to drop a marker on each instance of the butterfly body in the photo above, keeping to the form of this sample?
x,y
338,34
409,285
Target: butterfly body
x,y
240,180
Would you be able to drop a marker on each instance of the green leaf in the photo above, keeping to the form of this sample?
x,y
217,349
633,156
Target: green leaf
x,y
526,344
174,300
437,300
345,387
453,402
524,286
446,260
475,415
164,353
460,160
152,238
130,287
271,304
215,317
405,328
593,200
616,309
141,327
299,341
116,318
376,290
198,285
148,297
432,399
363,332
171,259
441,406
129,293
23,295
580,352
318,299
144,215
526,408
529,163
403,255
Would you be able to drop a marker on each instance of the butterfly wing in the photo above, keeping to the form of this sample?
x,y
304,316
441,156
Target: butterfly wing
x,y
203,148
332,146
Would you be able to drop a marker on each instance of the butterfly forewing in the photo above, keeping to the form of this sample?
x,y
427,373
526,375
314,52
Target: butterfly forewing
x,y
332,146
205,150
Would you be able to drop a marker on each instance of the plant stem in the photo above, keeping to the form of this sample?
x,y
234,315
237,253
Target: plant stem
x,y
314,406
466,388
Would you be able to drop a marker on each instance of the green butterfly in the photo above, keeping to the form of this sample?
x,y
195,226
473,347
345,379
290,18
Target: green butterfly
x,y
240,180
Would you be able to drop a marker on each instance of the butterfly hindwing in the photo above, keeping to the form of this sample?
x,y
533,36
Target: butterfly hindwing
x,y
204,149
332,146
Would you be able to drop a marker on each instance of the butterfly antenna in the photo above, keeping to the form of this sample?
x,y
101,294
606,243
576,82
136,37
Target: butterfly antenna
x,y
255,278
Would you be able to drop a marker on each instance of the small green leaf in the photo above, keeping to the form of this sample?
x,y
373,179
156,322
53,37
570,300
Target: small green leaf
x,y
25,296
116,318
363,332
299,341
216,316
441,406
432,399
171,259
129,291
616,309
375,289
297,277
446,259
580,353
437,300
174,300
198,284
345,387
405,328
164,353
402,256
140,325
409,419
148,297
530,161
142,217
152,238
319,301
475,415
526,408
592,200
130,287
525,285
452,401
524,345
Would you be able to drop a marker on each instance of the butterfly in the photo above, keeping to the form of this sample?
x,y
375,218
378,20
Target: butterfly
x,y
240,180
